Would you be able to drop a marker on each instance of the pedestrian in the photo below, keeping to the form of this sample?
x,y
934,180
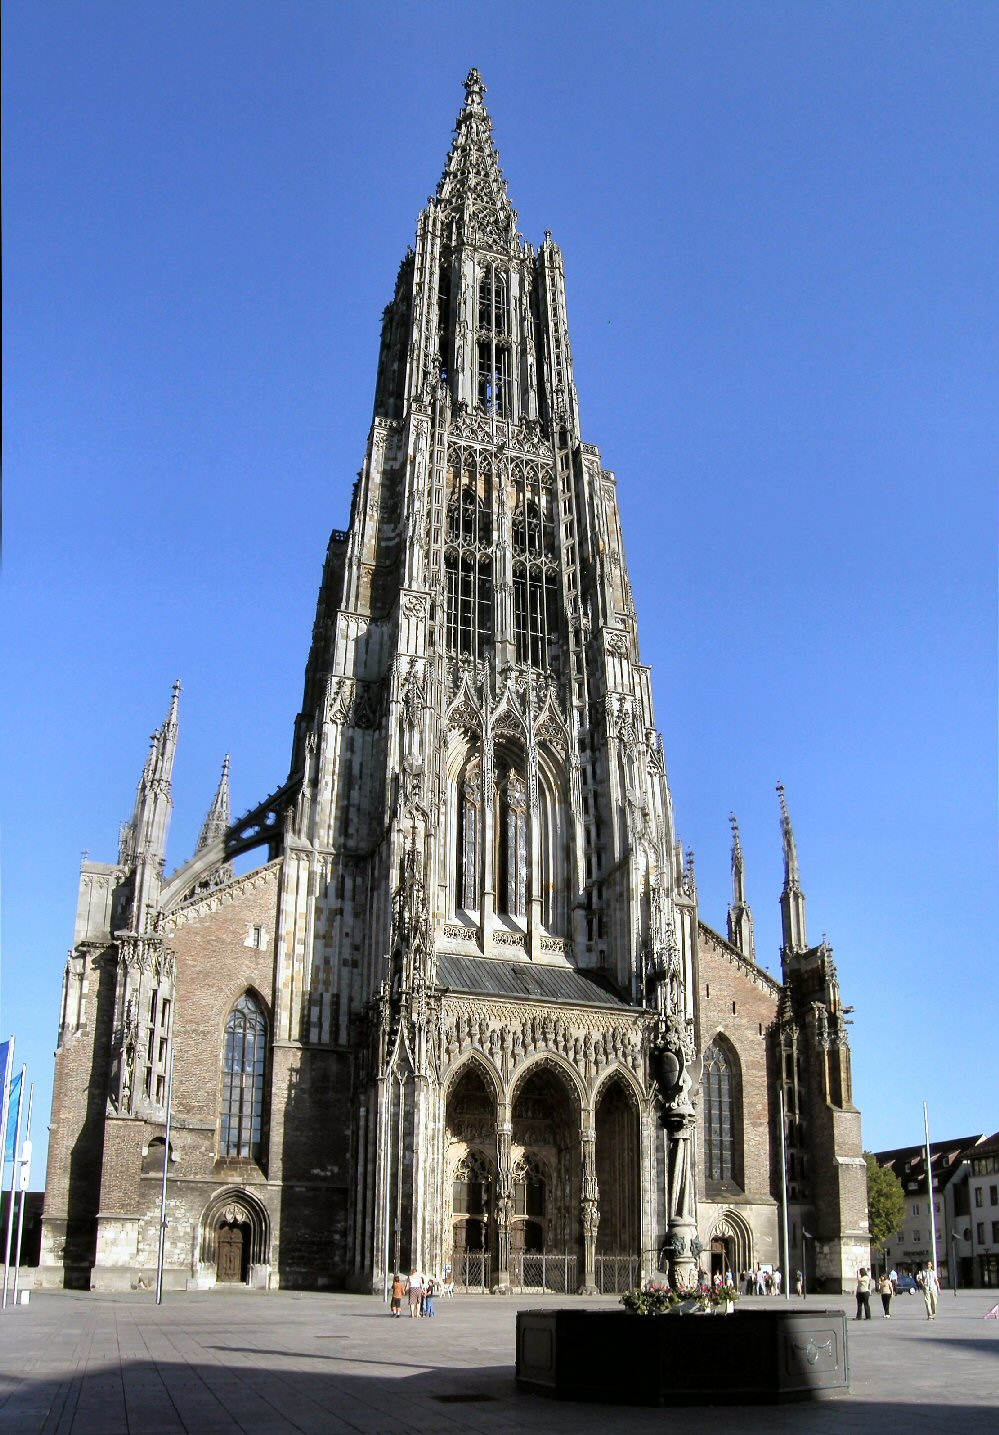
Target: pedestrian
x,y
799,1283
398,1291
930,1288
414,1287
761,1281
886,1290
428,1297
777,1280
863,1294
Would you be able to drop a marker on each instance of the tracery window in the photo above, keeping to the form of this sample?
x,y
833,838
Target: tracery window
x,y
244,1061
511,831
719,1134
493,343
469,882
470,1193
468,574
529,1188
535,582
443,317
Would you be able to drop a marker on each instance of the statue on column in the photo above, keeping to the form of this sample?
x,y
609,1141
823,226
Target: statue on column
x,y
672,1060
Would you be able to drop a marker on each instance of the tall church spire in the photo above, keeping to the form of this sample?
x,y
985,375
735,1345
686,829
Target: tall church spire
x,y
740,918
472,191
792,899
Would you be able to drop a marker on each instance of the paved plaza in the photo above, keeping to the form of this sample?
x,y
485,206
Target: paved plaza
x,y
229,1361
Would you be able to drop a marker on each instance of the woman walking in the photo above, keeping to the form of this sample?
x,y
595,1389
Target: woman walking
x,y
863,1294
886,1290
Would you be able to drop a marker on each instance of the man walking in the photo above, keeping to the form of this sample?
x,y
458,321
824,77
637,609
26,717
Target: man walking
x,y
931,1289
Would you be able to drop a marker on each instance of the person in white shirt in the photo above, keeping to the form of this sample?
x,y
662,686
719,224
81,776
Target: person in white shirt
x,y
931,1289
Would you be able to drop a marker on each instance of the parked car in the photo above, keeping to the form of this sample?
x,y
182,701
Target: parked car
x,y
906,1283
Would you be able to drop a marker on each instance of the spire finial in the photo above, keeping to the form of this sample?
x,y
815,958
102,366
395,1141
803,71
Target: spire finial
x,y
740,918
792,901
475,88
792,877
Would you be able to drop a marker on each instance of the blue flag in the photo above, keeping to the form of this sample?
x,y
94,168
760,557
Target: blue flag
x,y
6,1066
13,1110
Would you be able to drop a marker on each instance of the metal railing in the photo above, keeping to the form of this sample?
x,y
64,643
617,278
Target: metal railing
x,y
544,1272
471,1270
614,1274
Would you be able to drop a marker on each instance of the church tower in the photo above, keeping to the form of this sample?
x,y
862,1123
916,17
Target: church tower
x,y
463,1015
481,783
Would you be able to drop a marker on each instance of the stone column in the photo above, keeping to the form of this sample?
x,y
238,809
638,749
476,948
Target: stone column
x,y
682,1211
504,1206
590,1212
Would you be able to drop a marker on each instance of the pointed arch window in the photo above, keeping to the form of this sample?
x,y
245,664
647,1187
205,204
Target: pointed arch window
x,y
243,1065
529,1188
511,831
468,574
469,866
472,1181
719,1115
535,585
493,343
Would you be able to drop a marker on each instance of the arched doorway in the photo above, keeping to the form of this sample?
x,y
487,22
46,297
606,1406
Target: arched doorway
x,y
730,1247
617,1170
235,1238
546,1232
470,1161
232,1247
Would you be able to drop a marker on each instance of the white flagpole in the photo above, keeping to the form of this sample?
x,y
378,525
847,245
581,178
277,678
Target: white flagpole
x,y
24,1180
783,1193
929,1189
161,1248
13,1177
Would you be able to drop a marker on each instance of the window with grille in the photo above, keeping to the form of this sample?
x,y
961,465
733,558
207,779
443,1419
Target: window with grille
x,y
493,343
535,585
719,1138
468,574
244,1061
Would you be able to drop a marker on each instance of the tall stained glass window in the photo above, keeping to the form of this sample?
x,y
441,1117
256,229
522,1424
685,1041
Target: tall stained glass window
x,y
719,1140
243,1080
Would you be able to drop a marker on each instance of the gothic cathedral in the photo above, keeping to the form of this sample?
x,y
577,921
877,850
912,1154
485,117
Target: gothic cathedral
x,y
464,1015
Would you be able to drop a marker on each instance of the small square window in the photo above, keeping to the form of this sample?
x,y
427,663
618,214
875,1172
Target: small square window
x,y
256,937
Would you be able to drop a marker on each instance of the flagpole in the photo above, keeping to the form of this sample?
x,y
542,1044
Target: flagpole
x,y
13,1177
23,1182
163,1188
783,1192
929,1190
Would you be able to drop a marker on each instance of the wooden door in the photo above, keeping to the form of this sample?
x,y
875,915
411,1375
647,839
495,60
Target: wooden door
x,y
229,1266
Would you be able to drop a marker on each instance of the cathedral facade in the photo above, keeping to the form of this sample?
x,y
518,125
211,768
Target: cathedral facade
x,y
464,1015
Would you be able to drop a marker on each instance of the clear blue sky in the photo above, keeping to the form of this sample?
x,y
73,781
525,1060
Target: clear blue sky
x,y
779,222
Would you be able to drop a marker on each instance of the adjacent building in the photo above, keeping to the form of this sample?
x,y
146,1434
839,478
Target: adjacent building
x,y
963,1185
466,1011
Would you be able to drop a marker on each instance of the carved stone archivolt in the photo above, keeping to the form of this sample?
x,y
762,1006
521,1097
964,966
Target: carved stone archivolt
x,y
511,1035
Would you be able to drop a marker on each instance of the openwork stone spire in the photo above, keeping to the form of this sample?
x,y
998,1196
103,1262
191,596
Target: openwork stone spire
x,y
220,813
792,900
472,190
740,918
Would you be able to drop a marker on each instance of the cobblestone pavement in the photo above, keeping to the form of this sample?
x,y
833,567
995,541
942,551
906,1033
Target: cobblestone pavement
x,y
279,1363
